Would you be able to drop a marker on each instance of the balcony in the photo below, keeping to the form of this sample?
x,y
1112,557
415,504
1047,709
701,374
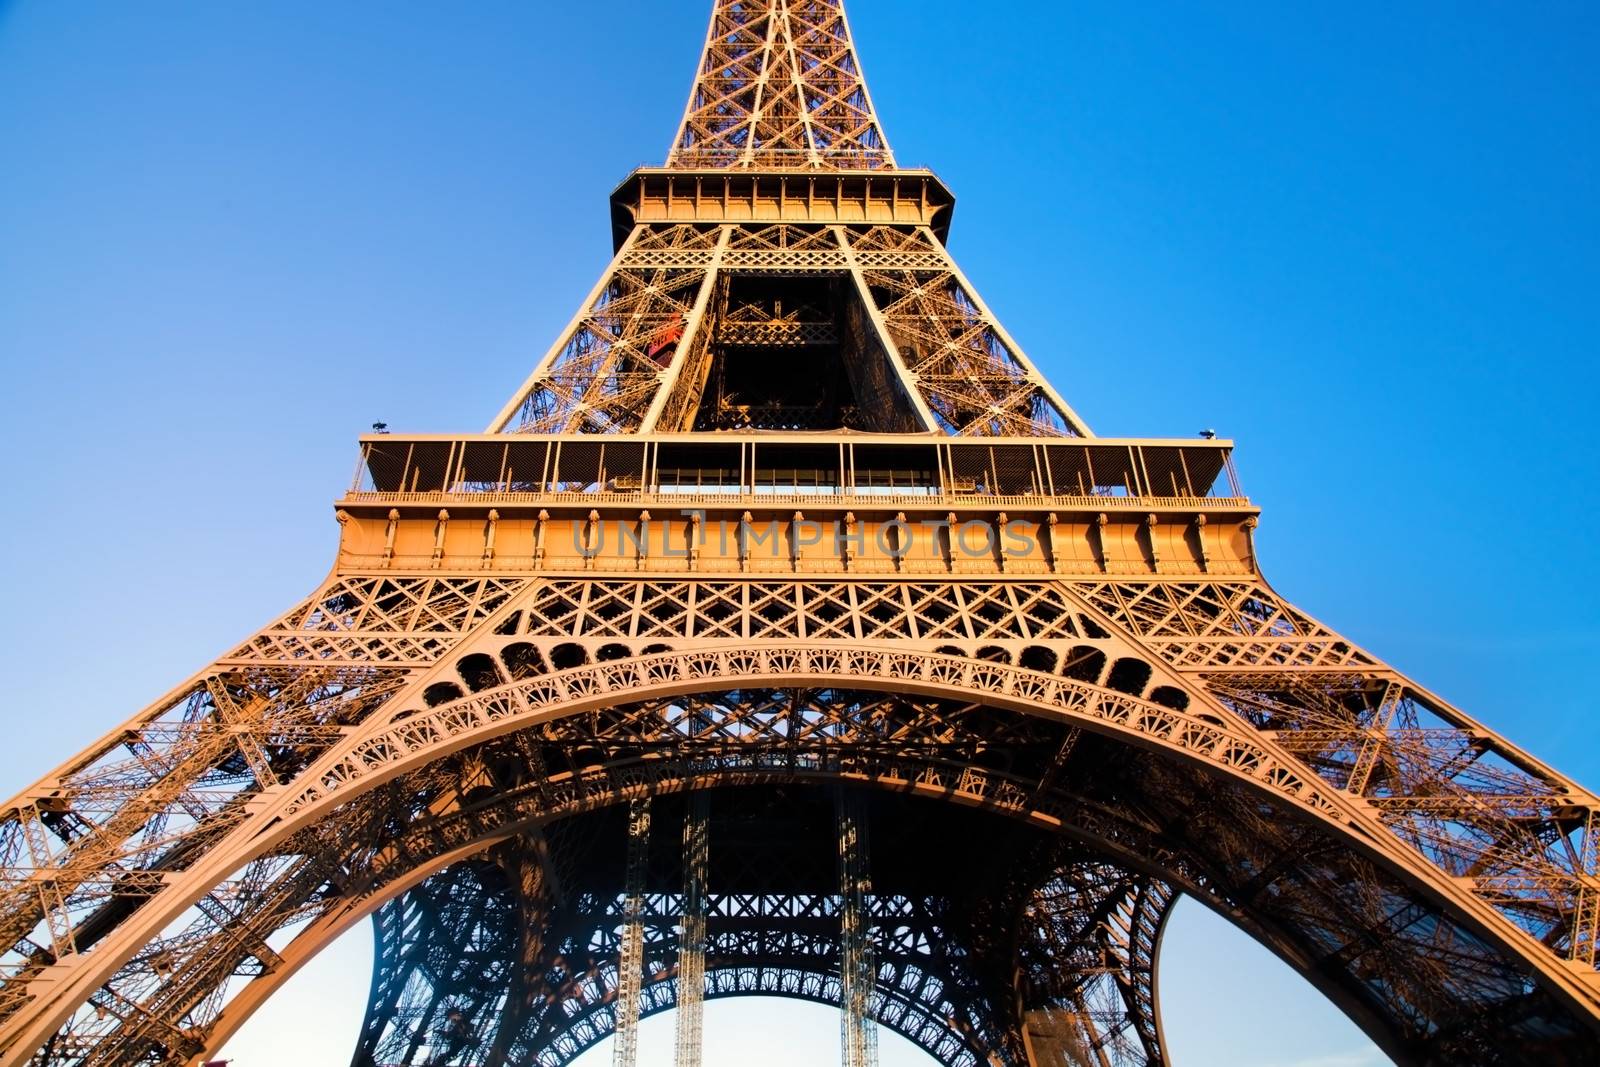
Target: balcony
x,y
874,471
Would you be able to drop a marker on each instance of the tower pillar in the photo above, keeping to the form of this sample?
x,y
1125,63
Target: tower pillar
x,y
857,973
630,966
692,946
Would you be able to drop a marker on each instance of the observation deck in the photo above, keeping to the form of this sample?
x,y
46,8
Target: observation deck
x,y
804,502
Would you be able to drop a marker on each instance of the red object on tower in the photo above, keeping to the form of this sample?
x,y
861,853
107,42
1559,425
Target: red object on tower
x,y
666,335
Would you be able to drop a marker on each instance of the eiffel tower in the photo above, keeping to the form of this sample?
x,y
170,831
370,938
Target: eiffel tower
x,y
787,634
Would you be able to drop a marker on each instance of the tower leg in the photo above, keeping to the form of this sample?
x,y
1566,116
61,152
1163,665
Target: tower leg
x,y
1055,1037
630,967
857,974
692,947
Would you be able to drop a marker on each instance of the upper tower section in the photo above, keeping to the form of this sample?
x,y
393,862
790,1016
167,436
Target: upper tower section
x,y
780,88
781,273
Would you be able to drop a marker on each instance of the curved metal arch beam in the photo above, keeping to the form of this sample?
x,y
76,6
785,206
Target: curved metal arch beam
x,y
1154,918
1086,822
1202,738
664,1002
1110,915
378,752
328,928
318,935
1080,830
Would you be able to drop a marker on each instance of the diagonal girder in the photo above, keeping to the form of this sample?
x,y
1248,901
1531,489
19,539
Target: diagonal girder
x,y
779,86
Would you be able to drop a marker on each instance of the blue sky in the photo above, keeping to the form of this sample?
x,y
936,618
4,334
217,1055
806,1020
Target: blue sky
x,y
1361,240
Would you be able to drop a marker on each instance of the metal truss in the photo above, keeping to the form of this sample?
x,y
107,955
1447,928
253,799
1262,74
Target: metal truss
x,y
857,966
1479,809
634,359
442,733
1108,926
443,958
590,610
692,943
779,87
946,949
972,377
630,957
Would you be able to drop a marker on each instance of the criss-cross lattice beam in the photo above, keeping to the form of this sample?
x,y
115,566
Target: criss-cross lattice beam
x,y
604,371
1475,806
971,375
779,86
857,972
630,961
1088,959
947,949
635,357
692,947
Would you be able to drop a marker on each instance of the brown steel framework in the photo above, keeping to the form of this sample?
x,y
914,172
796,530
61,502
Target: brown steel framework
x,y
786,633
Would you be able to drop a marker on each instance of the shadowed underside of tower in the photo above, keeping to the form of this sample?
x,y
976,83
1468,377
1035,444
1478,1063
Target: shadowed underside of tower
x,y
786,633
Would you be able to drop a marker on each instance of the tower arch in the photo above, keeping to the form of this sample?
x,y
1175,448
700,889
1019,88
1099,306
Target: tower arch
x,y
447,758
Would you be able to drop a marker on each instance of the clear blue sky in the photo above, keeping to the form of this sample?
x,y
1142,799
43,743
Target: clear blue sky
x,y
1359,239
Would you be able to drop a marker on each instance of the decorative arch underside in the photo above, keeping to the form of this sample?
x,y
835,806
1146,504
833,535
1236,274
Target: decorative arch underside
x,y
970,916
1421,982
1227,773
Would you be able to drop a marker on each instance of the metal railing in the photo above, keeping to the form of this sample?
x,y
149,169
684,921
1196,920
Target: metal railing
x,y
839,496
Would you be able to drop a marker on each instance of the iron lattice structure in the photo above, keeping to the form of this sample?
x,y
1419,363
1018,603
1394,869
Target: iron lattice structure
x,y
935,700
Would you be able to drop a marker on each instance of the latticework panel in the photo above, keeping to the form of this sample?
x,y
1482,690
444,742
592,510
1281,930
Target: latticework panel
x,y
85,848
83,851
636,357
385,620
973,378
1088,956
1485,813
446,954
946,942
1223,626
603,373
864,610
779,87
1336,740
